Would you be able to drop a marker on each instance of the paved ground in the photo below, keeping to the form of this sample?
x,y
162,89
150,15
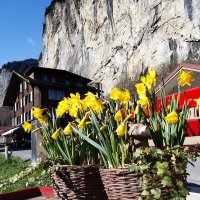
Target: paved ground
x,y
194,181
22,153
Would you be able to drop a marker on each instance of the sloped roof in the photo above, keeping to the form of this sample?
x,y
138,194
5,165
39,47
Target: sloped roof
x,y
170,81
14,86
53,70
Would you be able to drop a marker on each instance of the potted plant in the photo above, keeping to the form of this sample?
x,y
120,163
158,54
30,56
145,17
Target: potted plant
x,y
107,133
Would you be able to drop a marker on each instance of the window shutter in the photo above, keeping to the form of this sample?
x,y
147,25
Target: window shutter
x,y
21,118
31,114
25,117
24,103
15,120
21,103
15,106
31,98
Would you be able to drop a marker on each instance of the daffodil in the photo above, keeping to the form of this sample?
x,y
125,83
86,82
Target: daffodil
x,y
63,107
39,114
124,97
115,94
185,78
118,116
92,102
82,123
197,102
137,110
141,89
68,130
102,128
120,130
55,134
143,101
151,76
128,117
27,127
172,118
73,111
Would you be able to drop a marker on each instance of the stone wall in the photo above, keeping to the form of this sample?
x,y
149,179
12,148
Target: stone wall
x,y
112,40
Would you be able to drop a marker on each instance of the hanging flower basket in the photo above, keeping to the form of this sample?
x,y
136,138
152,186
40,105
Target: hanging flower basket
x,y
78,182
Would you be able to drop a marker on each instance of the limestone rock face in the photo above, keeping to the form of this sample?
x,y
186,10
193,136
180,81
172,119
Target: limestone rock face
x,y
6,72
111,40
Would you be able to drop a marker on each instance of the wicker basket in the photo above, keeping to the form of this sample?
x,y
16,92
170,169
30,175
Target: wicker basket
x,y
78,182
90,182
120,184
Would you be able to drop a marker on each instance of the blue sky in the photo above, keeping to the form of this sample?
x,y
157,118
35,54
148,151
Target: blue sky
x,y
21,23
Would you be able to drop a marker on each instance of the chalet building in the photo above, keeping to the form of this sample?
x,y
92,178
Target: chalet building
x,y
41,87
170,83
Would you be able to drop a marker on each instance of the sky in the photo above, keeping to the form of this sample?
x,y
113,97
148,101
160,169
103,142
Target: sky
x,y
21,24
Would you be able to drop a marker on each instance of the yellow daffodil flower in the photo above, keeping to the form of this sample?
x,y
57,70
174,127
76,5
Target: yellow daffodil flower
x,y
63,107
39,114
137,110
68,130
118,116
82,123
172,118
124,97
143,101
120,130
115,93
55,134
92,102
128,117
102,128
27,127
185,78
197,102
141,89
152,76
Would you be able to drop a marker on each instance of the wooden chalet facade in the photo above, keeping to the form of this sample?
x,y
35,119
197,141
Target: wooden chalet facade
x,y
41,87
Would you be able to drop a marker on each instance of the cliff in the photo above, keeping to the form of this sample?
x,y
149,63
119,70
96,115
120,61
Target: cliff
x,y
6,71
111,41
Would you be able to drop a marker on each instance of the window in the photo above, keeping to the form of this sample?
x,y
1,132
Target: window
x,y
55,94
46,78
27,99
79,85
49,78
67,82
18,120
17,107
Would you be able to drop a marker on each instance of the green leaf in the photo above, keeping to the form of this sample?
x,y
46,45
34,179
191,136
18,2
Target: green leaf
x,y
173,193
156,192
166,181
183,192
145,193
162,168
89,140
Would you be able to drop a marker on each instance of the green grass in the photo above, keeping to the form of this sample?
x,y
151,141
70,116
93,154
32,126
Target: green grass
x,y
9,168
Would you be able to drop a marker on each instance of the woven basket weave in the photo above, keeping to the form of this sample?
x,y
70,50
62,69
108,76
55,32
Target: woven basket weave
x,y
120,184
91,182
78,182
